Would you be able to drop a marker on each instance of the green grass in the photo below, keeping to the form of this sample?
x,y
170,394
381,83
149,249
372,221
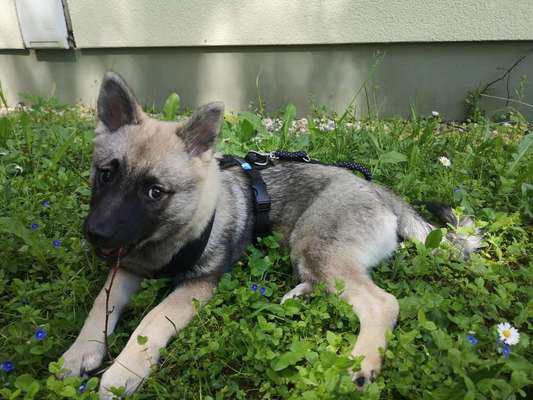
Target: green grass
x,y
244,345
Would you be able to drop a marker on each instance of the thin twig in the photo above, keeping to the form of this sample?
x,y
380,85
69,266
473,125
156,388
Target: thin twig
x,y
173,324
506,74
107,310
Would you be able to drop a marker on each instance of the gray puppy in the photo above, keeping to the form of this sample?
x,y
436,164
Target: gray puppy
x,y
157,189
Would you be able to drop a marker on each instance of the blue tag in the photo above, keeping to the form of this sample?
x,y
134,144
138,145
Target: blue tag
x,y
246,166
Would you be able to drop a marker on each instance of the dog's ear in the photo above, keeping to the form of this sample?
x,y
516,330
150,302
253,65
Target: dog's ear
x,y
200,131
116,105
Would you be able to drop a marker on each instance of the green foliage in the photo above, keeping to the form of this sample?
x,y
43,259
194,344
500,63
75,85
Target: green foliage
x,y
434,238
243,344
474,111
171,107
3,100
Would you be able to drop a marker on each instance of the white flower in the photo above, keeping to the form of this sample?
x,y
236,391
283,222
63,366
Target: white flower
x,y
435,113
299,126
19,169
508,333
269,124
326,125
445,161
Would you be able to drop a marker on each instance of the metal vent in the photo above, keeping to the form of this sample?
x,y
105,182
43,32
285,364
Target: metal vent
x,y
43,24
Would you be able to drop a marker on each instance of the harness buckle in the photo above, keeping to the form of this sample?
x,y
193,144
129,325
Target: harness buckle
x,y
262,198
258,159
262,206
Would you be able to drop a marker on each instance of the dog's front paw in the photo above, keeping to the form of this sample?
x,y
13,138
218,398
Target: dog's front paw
x,y
83,356
128,374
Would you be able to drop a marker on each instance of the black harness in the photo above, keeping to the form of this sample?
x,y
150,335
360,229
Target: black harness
x,y
187,257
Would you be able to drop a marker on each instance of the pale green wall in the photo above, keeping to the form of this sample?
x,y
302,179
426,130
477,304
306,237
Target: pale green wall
x,y
431,76
436,51
155,23
133,23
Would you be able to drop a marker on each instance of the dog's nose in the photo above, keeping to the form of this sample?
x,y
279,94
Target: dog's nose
x,y
99,235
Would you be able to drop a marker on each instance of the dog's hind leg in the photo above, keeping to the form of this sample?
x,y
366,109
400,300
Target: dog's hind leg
x,y
377,311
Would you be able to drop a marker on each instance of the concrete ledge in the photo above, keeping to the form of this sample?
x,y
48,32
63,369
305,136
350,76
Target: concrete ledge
x,y
429,76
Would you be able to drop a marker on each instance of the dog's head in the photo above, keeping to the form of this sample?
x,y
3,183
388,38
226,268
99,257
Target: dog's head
x,y
150,179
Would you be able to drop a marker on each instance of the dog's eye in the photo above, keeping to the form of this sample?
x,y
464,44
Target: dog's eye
x,y
155,193
106,175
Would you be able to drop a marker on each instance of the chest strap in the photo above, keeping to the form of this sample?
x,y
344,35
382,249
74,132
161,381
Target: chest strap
x,y
188,255
260,196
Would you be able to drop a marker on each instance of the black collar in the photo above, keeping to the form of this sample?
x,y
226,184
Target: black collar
x,y
187,257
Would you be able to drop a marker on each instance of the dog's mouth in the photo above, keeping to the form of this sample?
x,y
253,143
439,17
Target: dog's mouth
x,y
111,254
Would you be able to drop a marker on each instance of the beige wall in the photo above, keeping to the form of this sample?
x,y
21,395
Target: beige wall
x,y
10,37
175,23
138,23
429,76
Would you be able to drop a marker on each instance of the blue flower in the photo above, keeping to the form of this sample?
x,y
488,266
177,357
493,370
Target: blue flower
x,y
262,291
34,226
45,203
254,287
506,350
472,340
82,388
40,334
7,366
56,243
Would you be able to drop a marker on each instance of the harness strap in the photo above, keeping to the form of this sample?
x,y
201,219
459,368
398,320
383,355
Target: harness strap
x,y
188,255
261,198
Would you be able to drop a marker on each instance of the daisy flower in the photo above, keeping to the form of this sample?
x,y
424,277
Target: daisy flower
x,y
445,161
508,334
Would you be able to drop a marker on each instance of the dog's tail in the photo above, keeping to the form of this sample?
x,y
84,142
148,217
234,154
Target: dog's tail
x,y
466,242
412,226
